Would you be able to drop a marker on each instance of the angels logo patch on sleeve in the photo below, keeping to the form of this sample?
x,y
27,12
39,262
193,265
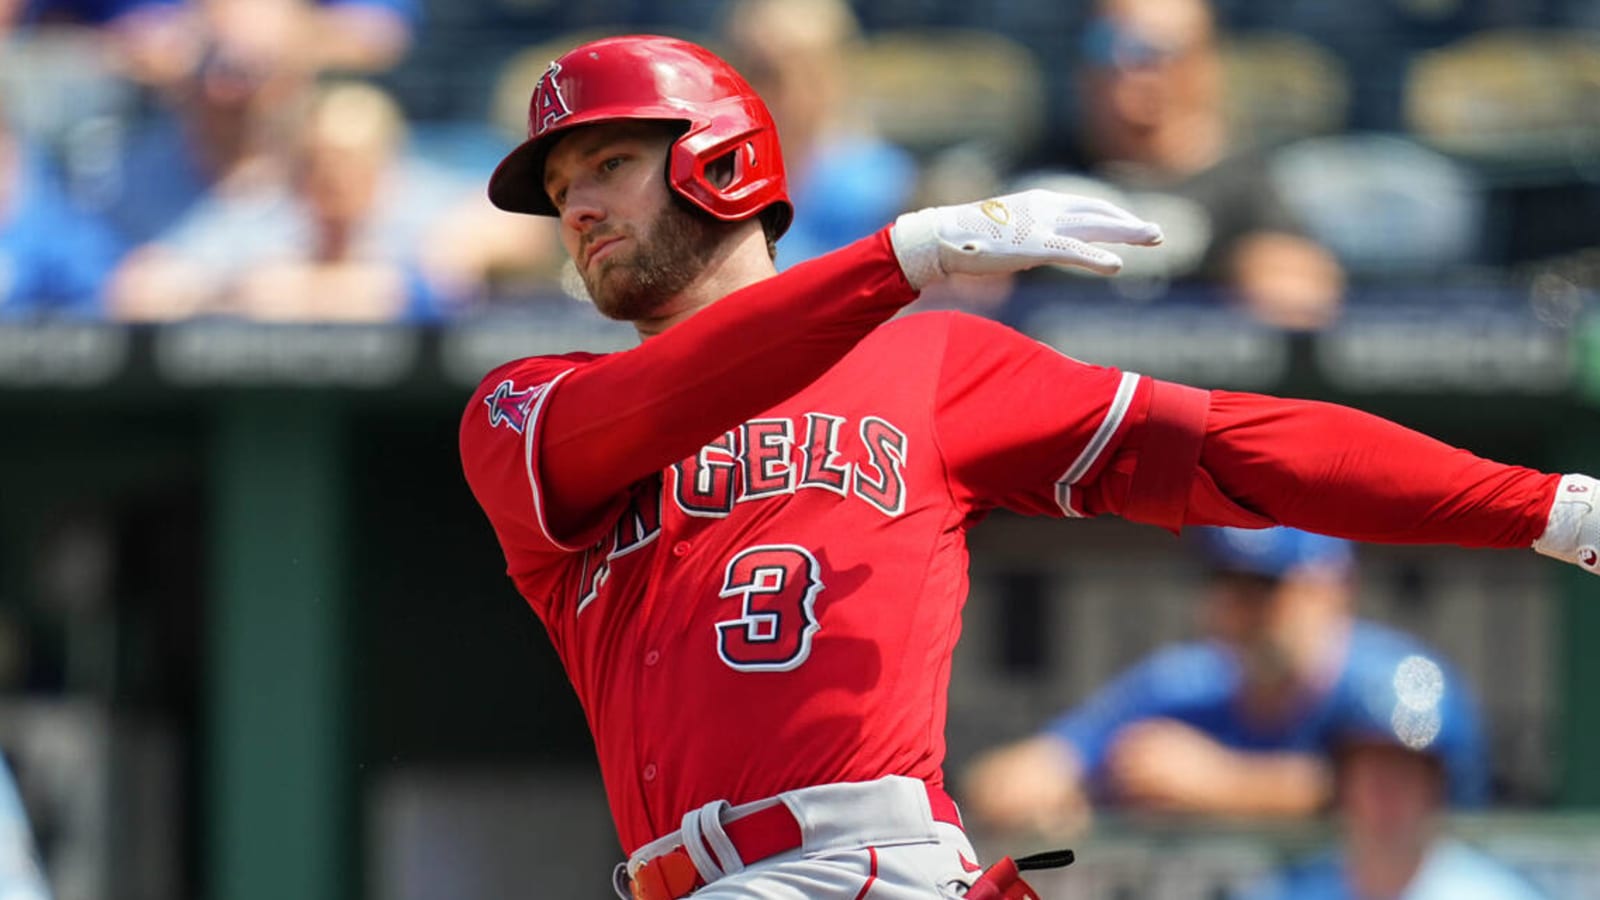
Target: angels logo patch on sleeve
x,y
510,407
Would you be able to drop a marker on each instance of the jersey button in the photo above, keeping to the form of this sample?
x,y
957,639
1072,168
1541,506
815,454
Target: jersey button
x,y
650,772
681,548
652,658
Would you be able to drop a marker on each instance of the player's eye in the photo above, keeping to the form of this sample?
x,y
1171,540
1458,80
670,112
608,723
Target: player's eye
x,y
611,163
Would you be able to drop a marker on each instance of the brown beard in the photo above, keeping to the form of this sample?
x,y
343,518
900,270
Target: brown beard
x,y
636,282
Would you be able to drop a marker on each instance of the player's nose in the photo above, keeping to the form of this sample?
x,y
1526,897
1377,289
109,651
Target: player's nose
x,y
582,210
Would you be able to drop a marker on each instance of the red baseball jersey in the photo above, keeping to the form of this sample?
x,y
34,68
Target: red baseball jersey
x,y
779,609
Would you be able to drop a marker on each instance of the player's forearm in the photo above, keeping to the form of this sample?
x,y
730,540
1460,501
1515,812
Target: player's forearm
x,y
1340,471
637,412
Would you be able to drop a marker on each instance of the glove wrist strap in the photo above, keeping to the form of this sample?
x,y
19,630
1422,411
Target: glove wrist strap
x,y
916,245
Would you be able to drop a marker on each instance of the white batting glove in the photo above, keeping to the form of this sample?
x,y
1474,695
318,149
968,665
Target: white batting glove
x,y
1015,232
1573,534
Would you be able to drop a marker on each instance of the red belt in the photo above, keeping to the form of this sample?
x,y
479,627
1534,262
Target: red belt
x,y
763,833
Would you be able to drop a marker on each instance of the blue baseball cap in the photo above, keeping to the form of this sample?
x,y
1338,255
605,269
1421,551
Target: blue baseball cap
x,y
1415,702
1272,552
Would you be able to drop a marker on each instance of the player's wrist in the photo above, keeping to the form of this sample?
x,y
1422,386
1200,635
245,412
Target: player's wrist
x,y
915,238
1572,533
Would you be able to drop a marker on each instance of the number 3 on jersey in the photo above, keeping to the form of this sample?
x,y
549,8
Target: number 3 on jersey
x,y
776,585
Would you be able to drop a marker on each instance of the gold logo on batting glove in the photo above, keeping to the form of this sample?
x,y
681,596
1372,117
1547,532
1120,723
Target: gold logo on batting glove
x,y
996,211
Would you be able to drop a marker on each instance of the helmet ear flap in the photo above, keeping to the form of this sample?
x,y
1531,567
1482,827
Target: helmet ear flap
x,y
730,169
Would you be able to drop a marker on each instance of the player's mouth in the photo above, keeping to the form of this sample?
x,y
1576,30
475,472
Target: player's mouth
x,y
600,249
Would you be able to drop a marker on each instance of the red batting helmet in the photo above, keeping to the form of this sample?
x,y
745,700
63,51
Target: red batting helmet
x,y
662,78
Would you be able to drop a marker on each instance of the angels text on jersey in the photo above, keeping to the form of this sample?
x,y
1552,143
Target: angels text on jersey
x,y
761,460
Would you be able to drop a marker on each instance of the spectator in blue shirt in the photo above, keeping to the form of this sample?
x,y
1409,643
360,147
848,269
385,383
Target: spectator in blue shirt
x,y
1239,723
1397,741
53,258
356,229
1153,136
242,74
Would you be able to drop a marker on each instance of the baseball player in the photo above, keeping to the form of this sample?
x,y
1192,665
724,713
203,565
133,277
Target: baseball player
x,y
746,535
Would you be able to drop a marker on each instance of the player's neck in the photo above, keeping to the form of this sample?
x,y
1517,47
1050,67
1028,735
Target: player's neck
x,y
739,264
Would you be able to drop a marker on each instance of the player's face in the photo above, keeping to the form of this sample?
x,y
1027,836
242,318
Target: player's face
x,y
633,245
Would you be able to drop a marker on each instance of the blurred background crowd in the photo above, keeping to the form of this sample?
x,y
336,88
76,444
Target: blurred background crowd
x,y
280,160
253,637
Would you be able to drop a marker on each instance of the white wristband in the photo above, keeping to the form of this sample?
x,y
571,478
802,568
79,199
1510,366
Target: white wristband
x,y
1572,533
916,245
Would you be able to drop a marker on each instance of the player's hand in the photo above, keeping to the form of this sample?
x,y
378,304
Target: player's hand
x,y
1016,232
1573,533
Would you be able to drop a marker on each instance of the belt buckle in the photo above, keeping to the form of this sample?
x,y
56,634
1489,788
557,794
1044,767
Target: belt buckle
x,y
666,877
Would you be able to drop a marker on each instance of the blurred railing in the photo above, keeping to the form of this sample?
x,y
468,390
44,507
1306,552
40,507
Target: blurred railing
x,y
1491,344
1176,859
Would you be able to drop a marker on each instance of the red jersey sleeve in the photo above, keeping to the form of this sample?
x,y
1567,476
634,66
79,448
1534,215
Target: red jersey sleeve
x,y
500,434
1341,471
1021,425
1261,460
1024,427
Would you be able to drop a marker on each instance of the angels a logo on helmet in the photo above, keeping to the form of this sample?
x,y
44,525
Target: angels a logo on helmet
x,y
549,107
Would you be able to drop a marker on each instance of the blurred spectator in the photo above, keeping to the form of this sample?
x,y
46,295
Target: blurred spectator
x,y
162,41
20,875
226,125
79,59
1153,137
125,29
88,13
1237,723
347,236
845,180
53,258
1396,742
1391,209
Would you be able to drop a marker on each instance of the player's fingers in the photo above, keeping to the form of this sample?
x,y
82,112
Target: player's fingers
x,y
1081,202
1044,199
1078,254
1072,209
1109,229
